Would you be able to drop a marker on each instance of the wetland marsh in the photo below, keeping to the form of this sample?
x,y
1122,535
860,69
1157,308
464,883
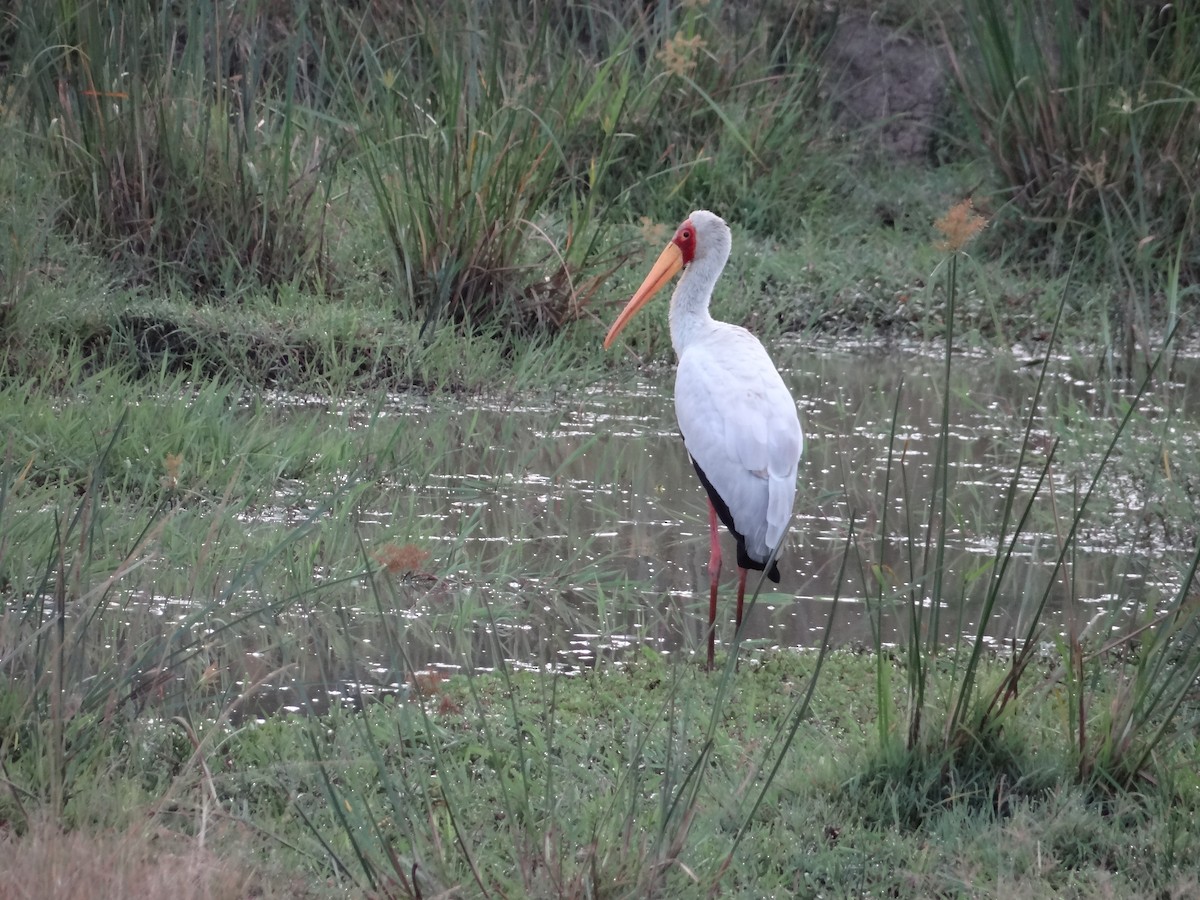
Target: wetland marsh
x,y
336,559
452,592
566,532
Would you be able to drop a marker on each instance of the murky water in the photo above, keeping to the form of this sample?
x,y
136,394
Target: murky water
x,y
574,530
562,533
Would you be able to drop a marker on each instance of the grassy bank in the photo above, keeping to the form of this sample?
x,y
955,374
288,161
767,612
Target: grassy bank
x,y
593,795
266,192
861,272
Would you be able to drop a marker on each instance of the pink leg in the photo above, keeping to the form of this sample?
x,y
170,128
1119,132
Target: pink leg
x,y
714,577
741,595
741,598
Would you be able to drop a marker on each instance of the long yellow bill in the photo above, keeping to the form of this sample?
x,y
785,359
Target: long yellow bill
x,y
669,263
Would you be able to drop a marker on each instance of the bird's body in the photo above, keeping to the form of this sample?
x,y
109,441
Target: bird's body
x,y
727,404
738,420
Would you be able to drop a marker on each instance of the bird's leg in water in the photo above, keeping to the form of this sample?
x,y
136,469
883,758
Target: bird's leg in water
x,y
714,578
741,596
737,631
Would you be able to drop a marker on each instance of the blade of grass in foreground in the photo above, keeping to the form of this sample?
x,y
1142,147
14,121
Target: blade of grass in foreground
x,y
799,711
683,811
883,691
1004,556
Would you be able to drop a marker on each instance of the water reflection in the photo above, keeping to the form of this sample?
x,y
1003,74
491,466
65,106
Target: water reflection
x,y
573,531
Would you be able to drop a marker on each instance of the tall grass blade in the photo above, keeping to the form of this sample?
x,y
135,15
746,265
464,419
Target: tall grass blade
x,y
799,711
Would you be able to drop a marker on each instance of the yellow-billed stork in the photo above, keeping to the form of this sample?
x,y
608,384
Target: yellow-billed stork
x,y
738,420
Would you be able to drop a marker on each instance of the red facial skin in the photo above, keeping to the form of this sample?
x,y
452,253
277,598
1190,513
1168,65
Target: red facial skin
x,y
685,240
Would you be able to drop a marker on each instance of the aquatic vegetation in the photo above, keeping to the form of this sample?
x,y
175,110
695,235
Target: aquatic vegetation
x,y
335,560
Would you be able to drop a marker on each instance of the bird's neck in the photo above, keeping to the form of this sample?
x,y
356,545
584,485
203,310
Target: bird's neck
x,y
689,315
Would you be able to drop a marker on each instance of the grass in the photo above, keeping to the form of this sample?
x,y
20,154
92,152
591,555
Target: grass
x,y
1085,120
448,783
953,741
133,863
306,559
181,177
313,177
485,144
307,576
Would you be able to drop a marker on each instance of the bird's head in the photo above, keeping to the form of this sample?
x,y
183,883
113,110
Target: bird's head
x,y
702,240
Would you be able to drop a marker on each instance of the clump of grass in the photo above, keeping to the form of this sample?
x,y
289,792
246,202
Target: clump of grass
x,y
1084,110
1088,115
715,106
1118,731
496,168
954,742
961,755
467,167
182,169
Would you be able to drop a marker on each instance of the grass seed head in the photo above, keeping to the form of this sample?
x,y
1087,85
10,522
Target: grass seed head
x,y
678,55
402,560
959,226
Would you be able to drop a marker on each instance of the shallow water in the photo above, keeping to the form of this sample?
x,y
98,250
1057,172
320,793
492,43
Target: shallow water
x,y
574,530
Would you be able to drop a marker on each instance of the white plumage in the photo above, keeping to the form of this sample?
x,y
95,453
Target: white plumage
x,y
738,420
732,413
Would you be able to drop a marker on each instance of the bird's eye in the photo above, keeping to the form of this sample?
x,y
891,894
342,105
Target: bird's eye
x,y
687,235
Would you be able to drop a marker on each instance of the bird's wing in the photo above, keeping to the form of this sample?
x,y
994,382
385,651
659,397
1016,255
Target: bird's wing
x,y
740,426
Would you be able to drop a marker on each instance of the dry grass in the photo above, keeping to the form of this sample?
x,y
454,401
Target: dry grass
x,y
47,862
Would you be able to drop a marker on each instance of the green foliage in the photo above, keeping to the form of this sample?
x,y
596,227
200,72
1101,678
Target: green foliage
x,y
196,147
953,743
228,151
1088,113
177,156
493,146
461,145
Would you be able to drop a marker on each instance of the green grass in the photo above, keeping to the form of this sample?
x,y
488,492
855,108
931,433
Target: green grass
x,y
170,166
1084,114
577,800
491,169
229,239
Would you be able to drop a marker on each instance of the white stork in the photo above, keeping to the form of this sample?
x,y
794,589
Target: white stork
x,y
738,421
